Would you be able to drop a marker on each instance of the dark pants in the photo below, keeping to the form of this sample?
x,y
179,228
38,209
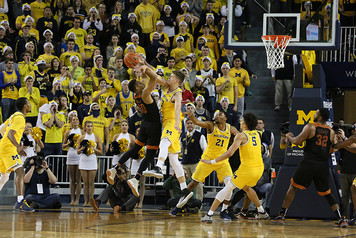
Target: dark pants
x,y
32,120
127,203
53,149
49,201
8,108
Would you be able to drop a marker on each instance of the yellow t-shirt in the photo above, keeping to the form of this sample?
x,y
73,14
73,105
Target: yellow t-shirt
x,y
88,50
228,91
99,125
47,58
188,41
238,75
116,129
20,20
34,99
26,69
37,10
17,123
139,50
165,36
147,16
250,152
33,32
102,97
11,91
217,7
212,43
167,72
53,134
177,53
218,142
200,64
80,34
88,85
65,57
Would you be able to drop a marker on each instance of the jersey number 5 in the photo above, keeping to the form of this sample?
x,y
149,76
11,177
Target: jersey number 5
x,y
254,142
219,142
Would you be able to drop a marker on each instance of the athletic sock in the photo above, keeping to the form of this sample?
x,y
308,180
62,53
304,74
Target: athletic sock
x,y
183,185
19,198
283,211
210,213
160,164
338,213
224,207
260,209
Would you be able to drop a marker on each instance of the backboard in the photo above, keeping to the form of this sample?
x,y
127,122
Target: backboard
x,y
312,26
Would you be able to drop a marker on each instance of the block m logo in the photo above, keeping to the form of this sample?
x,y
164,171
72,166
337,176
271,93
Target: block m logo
x,y
303,119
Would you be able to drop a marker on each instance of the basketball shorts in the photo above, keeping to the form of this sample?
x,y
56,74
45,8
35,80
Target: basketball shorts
x,y
203,170
149,135
10,162
247,175
309,171
172,135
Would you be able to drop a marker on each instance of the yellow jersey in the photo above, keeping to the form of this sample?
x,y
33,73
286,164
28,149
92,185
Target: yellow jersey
x,y
218,142
99,125
250,152
228,90
167,106
17,123
11,91
126,102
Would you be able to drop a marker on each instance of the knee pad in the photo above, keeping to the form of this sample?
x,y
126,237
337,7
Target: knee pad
x,y
225,192
3,179
331,199
163,148
177,167
227,179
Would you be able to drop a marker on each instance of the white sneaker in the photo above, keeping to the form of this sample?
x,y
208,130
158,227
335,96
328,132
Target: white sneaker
x,y
110,175
133,183
207,219
262,216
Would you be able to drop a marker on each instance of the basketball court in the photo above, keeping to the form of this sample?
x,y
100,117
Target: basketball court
x,y
82,222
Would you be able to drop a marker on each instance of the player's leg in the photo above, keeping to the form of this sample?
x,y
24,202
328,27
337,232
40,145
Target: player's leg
x,y
162,156
219,198
224,214
19,183
254,198
3,179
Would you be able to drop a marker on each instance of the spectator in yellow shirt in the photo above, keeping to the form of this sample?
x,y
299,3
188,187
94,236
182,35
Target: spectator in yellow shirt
x,y
20,20
147,16
211,41
88,81
188,38
205,52
33,96
179,53
103,92
226,86
47,56
53,122
37,9
100,124
79,32
87,50
26,66
65,57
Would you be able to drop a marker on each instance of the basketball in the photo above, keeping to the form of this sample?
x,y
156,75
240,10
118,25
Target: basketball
x,y
131,59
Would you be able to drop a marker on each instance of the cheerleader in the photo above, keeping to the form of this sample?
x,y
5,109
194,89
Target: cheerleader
x,y
70,142
88,146
32,145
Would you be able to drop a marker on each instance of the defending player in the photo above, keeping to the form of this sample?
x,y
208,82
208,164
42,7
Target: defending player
x,y
11,149
250,170
219,134
150,129
314,167
171,119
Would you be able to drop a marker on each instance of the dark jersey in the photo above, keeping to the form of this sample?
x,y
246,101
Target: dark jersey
x,y
150,111
317,148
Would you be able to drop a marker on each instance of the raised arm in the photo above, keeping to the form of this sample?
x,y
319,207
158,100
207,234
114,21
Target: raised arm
x,y
204,124
346,143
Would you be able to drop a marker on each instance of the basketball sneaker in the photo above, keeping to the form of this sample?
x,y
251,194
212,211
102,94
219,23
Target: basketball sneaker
x,y
231,214
279,219
342,223
186,195
18,205
242,215
262,216
110,175
133,183
155,172
25,207
352,221
224,215
207,219
175,211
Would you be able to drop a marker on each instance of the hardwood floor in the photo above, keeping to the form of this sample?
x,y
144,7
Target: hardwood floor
x,y
82,222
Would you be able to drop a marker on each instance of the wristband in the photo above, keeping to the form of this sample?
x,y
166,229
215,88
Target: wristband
x,y
344,138
213,161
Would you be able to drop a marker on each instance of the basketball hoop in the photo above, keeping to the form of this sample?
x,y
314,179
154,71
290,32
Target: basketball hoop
x,y
275,46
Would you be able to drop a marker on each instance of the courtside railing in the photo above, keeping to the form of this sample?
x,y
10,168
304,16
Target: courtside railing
x,y
347,50
57,164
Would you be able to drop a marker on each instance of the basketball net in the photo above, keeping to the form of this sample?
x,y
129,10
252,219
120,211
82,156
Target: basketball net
x,y
275,46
